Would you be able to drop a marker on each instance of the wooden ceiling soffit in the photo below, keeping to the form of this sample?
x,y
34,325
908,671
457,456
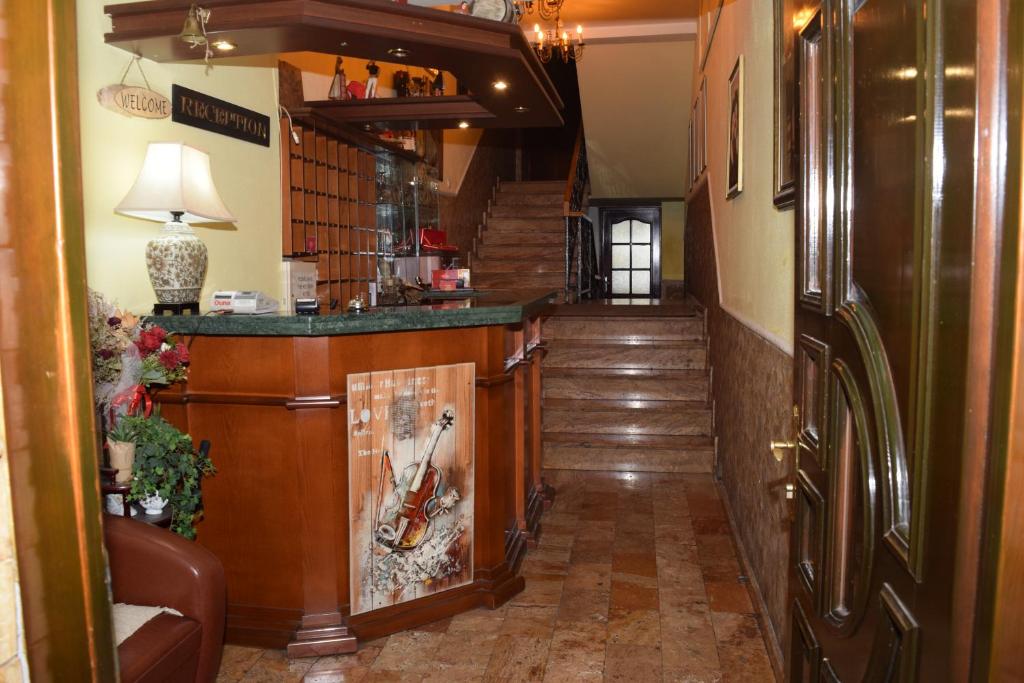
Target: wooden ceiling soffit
x,y
429,112
477,51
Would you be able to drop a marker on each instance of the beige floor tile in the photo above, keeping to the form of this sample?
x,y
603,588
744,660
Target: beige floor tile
x,y
517,658
635,579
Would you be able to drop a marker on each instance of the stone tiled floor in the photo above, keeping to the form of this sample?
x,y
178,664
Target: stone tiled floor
x,y
635,579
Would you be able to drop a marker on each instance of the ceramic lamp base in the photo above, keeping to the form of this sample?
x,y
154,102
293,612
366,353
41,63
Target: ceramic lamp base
x,y
177,264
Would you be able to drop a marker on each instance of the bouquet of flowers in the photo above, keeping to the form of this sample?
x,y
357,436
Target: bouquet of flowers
x,y
128,356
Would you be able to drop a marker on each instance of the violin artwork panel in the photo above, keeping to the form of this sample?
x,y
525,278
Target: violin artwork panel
x,y
411,468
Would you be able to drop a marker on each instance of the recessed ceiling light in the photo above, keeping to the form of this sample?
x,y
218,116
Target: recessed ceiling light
x,y
463,124
500,85
224,45
343,43
521,109
399,52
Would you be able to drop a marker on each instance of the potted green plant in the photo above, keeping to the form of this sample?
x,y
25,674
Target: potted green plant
x,y
167,469
121,448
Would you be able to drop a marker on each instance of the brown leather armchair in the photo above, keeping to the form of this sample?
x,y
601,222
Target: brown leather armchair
x,y
153,566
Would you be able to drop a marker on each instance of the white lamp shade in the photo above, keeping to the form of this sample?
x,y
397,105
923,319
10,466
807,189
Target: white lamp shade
x,y
175,178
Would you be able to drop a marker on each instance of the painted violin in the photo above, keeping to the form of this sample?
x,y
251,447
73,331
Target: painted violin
x,y
412,502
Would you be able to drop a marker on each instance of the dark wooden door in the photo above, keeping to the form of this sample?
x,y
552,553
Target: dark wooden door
x,y
631,253
886,113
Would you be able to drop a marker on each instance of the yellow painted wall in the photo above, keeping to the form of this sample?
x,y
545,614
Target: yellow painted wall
x,y
636,99
754,240
459,148
113,147
673,223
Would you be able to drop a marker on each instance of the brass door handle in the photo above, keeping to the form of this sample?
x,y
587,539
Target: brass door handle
x,y
779,446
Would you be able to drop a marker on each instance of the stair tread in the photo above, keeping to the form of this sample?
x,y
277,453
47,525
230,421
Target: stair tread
x,y
623,319
677,373
627,342
656,441
687,461
610,405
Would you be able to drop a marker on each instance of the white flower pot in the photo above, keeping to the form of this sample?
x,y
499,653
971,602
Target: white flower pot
x,y
153,505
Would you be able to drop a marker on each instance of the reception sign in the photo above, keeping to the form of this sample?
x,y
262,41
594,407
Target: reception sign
x,y
200,110
411,468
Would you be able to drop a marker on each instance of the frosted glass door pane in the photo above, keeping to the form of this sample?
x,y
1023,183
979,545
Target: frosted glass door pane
x,y
641,232
642,256
641,282
620,256
620,232
620,282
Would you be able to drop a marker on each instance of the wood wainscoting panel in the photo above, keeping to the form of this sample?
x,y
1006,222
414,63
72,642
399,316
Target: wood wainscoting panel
x,y
276,514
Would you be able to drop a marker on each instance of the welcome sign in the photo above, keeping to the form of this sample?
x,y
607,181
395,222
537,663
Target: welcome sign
x,y
134,101
217,116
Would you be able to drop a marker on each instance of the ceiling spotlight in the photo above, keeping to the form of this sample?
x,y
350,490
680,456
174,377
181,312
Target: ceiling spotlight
x,y
343,43
463,124
500,86
399,52
521,109
224,45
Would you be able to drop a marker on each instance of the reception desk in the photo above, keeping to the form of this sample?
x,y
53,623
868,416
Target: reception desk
x,y
427,514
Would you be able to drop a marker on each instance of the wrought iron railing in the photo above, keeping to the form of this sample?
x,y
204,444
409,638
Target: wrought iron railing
x,y
580,252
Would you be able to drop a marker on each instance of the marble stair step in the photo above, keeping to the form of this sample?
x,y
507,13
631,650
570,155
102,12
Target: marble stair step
x,y
662,355
523,281
543,253
552,199
695,457
518,266
527,211
533,186
524,225
526,239
591,405
655,385
625,329
685,421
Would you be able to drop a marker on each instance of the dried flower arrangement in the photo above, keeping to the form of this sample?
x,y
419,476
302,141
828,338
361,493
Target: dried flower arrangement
x,y
128,354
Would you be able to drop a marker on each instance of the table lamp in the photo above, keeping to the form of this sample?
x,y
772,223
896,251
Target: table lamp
x,y
175,183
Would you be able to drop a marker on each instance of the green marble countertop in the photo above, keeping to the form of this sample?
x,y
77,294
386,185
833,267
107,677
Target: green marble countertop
x,y
488,308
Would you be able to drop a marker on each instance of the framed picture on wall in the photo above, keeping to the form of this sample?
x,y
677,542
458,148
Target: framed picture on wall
x,y
702,126
784,126
734,161
707,22
691,176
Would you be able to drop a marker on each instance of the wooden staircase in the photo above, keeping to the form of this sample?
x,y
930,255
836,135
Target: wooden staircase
x,y
627,392
522,244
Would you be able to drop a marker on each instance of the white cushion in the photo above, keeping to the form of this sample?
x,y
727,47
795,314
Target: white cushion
x,y
130,618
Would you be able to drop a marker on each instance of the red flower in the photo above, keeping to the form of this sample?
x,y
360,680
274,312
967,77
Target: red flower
x,y
150,340
169,359
182,352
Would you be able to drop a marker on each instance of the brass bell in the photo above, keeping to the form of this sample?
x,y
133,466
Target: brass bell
x,y
192,32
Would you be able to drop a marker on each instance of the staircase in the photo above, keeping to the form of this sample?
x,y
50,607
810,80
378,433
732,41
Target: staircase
x,y
627,391
522,245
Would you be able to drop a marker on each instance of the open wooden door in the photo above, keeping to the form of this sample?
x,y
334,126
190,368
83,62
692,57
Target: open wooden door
x,y
888,247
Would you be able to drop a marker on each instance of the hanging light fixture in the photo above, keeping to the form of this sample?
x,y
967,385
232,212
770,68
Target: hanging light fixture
x,y
546,9
557,40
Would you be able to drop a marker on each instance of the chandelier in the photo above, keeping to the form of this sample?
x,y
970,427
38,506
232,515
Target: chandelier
x,y
547,9
553,40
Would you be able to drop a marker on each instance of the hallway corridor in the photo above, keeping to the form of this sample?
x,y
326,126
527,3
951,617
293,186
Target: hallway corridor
x,y
636,578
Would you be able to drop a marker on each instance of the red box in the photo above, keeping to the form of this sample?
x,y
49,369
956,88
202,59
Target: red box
x,y
450,279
